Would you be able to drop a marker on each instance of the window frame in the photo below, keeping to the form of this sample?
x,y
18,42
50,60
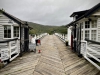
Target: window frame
x,y
12,30
87,24
93,23
18,31
92,34
90,31
4,33
87,34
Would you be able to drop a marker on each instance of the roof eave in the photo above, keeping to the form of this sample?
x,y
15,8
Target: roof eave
x,y
93,9
12,17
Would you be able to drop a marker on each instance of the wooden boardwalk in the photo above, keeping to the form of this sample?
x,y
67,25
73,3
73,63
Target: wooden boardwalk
x,y
55,59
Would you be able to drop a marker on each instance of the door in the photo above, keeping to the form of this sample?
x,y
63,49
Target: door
x,y
26,39
71,41
78,43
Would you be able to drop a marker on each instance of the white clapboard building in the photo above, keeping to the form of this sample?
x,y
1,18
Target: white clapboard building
x,y
14,36
84,33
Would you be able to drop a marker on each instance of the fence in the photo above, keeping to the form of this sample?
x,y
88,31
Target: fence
x,y
62,37
91,51
9,49
41,35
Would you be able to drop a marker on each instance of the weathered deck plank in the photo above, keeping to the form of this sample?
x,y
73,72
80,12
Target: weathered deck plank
x,y
74,65
21,65
55,59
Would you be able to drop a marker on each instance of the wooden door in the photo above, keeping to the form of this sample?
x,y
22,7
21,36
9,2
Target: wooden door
x,y
78,41
26,39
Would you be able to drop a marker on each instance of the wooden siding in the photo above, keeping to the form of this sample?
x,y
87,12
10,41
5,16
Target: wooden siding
x,y
1,32
22,36
97,13
5,21
96,48
98,23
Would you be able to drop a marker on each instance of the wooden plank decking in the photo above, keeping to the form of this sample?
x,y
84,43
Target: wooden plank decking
x,y
55,59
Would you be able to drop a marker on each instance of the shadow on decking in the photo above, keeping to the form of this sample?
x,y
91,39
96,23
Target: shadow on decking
x,y
19,60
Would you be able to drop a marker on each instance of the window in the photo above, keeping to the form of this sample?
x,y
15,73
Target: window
x,y
94,24
7,31
90,30
93,35
87,34
87,24
81,25
16,31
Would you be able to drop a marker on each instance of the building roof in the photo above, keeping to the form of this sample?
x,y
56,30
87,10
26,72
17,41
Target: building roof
x,y
12,17
17,20
78,13
83,14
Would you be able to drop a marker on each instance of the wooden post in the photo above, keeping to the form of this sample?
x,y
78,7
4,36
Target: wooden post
x,y
17,46
20,42
9,46
85,53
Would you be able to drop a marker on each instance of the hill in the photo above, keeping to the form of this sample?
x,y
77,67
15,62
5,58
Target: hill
x,y
38,28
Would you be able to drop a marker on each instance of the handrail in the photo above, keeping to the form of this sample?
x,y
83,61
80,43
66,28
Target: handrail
x,y
7,52
92,41
8,40
24,40
88,52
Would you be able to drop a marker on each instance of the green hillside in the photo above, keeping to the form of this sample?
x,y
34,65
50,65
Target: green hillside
x,y
38,28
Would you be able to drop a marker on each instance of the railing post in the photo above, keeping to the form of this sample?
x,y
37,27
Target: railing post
x,y
63,37
85,53
17,46
9,47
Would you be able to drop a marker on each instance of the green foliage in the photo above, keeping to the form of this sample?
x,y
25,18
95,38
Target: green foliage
x,y
37,29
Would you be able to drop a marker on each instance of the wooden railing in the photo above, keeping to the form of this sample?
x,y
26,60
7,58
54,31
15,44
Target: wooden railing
x,y
62,37
41,35
91,51
9,49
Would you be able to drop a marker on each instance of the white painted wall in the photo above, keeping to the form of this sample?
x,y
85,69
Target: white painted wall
x,y
69,36
97,13
5,21
98,24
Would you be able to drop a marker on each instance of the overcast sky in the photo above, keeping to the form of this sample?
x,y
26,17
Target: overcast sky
x,y
46,12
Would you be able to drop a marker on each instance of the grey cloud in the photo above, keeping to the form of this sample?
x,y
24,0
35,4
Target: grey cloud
x,y
47,12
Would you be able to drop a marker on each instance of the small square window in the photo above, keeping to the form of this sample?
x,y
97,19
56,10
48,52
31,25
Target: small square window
x,y
93,35
87,24
94,24
7,31
16,31
87,34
